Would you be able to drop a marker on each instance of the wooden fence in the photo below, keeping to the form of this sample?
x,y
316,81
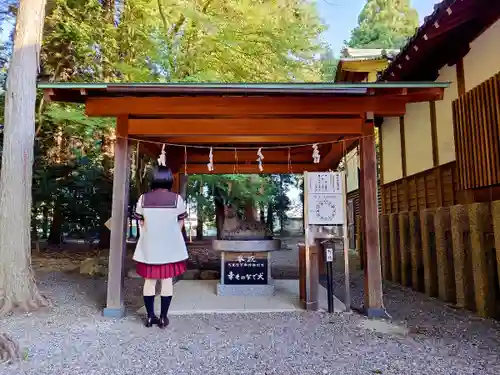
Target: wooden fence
x,y
435,187
476,119
452,253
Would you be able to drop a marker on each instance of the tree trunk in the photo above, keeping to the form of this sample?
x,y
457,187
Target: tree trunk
x,y
199,222
282,194
130,229
105,206
137,229
262,214
45,222
270,217
17,282
219,213
55,236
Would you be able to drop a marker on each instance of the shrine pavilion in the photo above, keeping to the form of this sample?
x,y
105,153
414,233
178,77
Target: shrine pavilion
x,y
279,117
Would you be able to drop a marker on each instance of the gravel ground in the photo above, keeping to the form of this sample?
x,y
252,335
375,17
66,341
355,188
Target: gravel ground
x,y
73,338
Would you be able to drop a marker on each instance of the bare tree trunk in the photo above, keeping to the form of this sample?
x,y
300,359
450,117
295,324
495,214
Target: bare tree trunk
x,y
45,223
199,223
219,212
17,282
262,214
270,217
55,235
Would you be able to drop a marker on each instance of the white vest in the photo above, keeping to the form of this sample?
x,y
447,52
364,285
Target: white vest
x,y
161,240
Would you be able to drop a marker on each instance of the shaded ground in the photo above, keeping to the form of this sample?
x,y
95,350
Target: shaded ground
x,y
73,338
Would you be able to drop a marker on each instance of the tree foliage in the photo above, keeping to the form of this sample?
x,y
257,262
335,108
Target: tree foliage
x,y
267,193
157,41
329,65
384,24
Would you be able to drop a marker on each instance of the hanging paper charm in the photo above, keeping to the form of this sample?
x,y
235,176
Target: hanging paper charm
x,y
260,158
316,156
210,164
162,160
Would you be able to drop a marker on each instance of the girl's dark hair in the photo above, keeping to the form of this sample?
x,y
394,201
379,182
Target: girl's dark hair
x,y
163,178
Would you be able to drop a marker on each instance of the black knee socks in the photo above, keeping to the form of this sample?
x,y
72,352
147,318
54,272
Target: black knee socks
x,y
165,305
149,303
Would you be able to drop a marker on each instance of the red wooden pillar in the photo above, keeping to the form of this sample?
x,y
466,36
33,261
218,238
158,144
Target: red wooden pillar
x,y
370,223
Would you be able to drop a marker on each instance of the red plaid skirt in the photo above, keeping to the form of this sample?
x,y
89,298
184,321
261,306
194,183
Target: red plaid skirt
x,y
161,271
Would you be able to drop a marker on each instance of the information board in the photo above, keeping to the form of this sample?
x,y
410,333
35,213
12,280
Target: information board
x,y
324,198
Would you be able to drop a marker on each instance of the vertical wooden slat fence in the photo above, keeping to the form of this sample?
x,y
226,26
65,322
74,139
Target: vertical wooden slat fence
x,y
432,188
476,119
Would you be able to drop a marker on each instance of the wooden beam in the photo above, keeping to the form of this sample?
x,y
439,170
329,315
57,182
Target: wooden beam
x,y
245,126
460,77
373,271
434,138
114,300
334,155
414,95
381,160
255,141
244,156
241,106
250,168
403,145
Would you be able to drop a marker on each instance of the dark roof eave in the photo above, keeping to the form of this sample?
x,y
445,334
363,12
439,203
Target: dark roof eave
x,y
483,11
78,92
438,9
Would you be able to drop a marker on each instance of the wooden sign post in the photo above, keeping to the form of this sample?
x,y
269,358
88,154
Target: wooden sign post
x,y
325,205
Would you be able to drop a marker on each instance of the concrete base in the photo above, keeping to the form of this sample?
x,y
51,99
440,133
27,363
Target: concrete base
x,y
200,297
377,313
245,290
114,312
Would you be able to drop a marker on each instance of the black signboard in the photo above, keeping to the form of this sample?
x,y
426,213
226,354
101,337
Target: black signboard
x,y
246,271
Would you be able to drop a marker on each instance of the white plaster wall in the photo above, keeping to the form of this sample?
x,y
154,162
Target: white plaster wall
x,y
418,139
444,116
391,150
483,59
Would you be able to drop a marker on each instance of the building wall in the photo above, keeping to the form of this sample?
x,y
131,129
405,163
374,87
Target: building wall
x,y
481,63
391,150
352,171
418,139
483,59
444,116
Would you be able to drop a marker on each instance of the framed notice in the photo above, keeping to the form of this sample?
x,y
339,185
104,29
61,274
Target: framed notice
x,y
324,198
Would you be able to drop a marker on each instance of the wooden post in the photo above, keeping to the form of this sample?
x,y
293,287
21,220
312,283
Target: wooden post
x,y
404,248
373,271
359,242
462,262
114,302
495,214
429,251
444,255
480,224
385,248
417,269
310,266
183,184
394,248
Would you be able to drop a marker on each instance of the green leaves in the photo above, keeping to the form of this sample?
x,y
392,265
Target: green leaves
x,y
384,24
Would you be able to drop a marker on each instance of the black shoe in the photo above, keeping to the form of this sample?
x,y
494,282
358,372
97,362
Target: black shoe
x,y
163,322
149,303
165,305
151,321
